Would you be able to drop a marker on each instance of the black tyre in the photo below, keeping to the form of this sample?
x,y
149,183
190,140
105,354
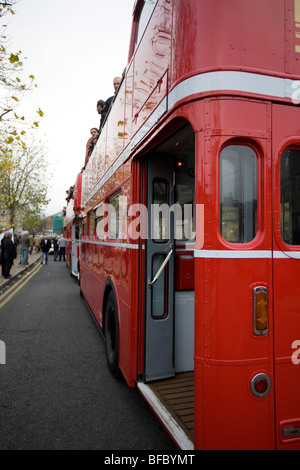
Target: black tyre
x,y
111,332
79,283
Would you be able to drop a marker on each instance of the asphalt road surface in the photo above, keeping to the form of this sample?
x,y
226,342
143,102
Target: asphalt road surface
x,y
55,389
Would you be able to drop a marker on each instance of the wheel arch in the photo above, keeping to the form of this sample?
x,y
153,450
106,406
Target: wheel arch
x,y
108,288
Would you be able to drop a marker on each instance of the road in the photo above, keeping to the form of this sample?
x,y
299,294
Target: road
x,y
56,392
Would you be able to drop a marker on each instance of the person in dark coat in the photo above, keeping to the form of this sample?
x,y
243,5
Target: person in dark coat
x,y
45,247
2,252
9,254
55,248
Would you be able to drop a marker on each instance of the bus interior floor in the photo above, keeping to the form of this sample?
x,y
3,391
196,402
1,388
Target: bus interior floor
x,y
177,396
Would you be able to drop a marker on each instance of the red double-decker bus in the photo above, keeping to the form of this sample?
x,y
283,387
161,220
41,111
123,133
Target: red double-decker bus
x,y
190,241
72,220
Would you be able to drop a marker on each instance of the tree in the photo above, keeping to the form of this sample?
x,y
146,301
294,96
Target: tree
x,y
20,163
24,188
13,86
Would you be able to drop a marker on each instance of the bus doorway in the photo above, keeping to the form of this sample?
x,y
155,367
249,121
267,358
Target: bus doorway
x,y
169,267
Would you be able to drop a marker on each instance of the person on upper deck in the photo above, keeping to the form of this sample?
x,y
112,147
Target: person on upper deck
x,y
100,106
70,192
109,101
91,144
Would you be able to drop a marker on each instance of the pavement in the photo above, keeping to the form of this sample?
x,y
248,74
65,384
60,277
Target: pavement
x,y
18,268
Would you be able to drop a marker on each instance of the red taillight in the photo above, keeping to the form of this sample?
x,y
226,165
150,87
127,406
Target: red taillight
x,y
260,385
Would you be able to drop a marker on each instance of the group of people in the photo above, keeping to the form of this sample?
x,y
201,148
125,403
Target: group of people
x,y
70,192
23,244
10,249
102,109
59,248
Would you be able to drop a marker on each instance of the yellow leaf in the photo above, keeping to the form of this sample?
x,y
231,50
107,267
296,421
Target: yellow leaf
x,y
13,58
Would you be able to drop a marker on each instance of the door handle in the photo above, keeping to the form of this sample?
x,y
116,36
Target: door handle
x,y
165,262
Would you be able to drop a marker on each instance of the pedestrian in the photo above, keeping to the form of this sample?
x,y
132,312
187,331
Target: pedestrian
x,y
31,244
24,248
55,248
62,248
9,254
37,242
2,251
16,242
45,247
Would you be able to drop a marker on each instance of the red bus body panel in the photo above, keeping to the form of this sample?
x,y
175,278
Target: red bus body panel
x,y
227,69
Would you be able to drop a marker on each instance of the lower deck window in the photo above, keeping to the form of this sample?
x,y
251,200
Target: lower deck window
x,y
290,196
238,193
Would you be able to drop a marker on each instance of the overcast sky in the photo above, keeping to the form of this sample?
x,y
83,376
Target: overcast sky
x,y
74,49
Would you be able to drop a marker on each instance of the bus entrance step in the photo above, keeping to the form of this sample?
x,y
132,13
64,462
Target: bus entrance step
x,y
173,402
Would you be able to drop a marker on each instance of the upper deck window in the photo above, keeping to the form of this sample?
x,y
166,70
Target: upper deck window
x,y
290,196
238,193
145,9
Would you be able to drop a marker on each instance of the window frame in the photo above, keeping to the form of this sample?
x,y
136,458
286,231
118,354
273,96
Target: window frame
x,y
139,10
256,222
292,148
119,217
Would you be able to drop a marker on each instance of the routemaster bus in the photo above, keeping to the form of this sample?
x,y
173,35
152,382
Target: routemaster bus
x,y
71,228
190,238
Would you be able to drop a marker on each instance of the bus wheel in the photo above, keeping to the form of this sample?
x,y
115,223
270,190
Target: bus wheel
x,y
79,280
111,332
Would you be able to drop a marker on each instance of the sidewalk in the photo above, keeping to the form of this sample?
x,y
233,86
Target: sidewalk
x,y
17,268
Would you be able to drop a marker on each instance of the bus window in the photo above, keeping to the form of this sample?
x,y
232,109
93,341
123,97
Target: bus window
x,y
99,220
144,14
238,193
158,291
184,196
290,196
92,224
83,227
160,212
114,217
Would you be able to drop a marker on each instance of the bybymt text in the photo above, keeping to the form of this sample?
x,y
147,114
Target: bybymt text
x,y
158,459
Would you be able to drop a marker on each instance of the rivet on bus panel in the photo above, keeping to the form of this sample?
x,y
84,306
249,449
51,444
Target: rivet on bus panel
x,y
261,319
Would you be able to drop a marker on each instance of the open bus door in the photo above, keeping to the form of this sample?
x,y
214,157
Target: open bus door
x,y
286,272
169,267
159,319
169,284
